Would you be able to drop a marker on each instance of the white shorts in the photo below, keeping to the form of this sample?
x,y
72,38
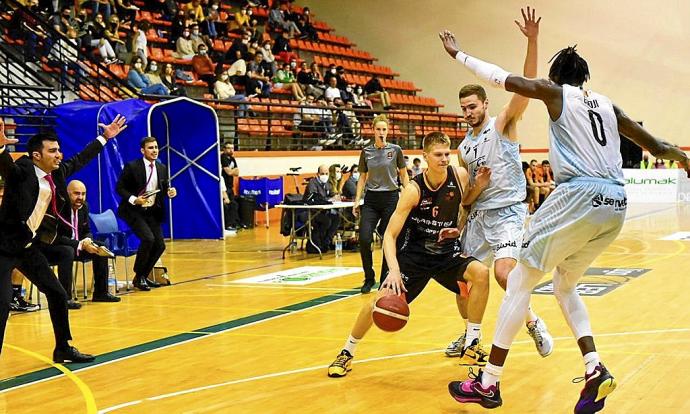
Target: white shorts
x,y
574,225
494,234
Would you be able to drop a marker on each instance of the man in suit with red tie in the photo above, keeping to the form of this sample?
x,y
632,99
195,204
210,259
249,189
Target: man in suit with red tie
x,y
142,186
35,184
78,237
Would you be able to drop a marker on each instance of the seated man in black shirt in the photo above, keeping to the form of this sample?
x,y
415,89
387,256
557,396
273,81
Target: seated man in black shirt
x,y
325,222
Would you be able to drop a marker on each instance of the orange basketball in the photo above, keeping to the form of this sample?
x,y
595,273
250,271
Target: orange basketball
x,y
391,313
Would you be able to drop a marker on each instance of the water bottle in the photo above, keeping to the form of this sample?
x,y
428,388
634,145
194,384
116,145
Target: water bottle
x,y
338,246
112,280
293,247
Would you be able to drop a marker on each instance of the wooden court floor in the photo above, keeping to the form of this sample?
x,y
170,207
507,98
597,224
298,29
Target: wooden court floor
x,y
207,345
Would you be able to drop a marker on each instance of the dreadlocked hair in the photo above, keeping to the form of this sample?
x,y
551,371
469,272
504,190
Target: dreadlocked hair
x,y
568,67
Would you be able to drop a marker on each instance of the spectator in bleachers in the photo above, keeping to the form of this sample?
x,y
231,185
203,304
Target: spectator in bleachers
x,y
25,26
350,186
253,47
645,164
322,223
355,124
536,185
224,91
179,24
332,71
256,30
237,71
343,117
342,83
347,94
309,80
167,76
332,91
61,21
373,89
270,64
212,17
276,19
152,72
548,173
63,55
238,45
100,41
305,26
204,67
659,164
416,167
282,49
257,81
241,21
102,5
285,78
184,47
198,11
127,11
197,37
139,42
112,33
359,100
138,80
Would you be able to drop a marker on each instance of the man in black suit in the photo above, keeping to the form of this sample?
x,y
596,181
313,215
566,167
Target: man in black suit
x,y
36,184
79,238
143,210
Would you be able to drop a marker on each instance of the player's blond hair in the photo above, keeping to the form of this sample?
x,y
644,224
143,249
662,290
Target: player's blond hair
x,y
380,118
434,138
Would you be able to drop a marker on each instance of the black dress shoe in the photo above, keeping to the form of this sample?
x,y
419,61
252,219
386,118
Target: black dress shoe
x,y
366,287
73,304
152,283
105,297
71,354
141,284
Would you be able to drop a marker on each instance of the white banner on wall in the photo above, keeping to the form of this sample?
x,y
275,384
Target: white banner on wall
x,y
656,186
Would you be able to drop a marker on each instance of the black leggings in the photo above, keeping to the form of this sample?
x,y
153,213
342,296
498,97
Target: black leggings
x,y
378,205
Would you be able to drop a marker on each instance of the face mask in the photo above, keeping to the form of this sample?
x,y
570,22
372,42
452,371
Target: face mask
x,y
306,12
195,33
338,176
137,65
355,176
224,78
244,11
293,65
154,68
323,178
333,71
359,90
249,12
348,89
214,7
185,34
245,41
267,47
254,46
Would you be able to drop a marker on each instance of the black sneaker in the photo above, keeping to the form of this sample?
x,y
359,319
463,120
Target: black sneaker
x,y
471,391
71,354
366,287
598,385
73,304
18,304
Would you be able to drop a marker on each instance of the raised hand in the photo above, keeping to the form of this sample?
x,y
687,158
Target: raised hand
x,y
448,233
449,43
530,28
118,125
3,138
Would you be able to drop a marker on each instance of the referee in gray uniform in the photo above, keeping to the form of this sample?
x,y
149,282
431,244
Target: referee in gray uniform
x,y
380,165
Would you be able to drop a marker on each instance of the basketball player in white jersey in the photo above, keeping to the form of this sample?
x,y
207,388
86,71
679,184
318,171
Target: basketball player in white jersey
x,y
578,221
495,224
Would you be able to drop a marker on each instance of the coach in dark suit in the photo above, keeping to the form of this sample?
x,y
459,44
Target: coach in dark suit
x,y
144,214
78,236
36,184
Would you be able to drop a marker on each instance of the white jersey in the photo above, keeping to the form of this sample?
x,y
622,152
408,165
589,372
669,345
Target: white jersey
x,y
585,140
490,148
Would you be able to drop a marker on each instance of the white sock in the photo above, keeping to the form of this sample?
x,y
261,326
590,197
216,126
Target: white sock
x,y
591,361
473,332
531,316
351,344
491,375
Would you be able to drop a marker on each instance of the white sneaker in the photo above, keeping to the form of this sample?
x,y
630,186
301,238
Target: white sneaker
x,y
230,233
541,336
329,142
454,349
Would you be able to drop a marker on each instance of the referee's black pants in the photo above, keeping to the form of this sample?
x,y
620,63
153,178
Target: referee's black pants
x,y
378,205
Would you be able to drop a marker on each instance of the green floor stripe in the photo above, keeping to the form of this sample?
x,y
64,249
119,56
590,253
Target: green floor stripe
x,y
47,373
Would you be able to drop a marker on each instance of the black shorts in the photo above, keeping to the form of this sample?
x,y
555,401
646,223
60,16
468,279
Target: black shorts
x,y
448,274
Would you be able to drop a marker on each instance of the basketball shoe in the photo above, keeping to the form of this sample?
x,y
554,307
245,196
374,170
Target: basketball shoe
x,y
541,336
598,385
474,355
471,391
341,366
454,349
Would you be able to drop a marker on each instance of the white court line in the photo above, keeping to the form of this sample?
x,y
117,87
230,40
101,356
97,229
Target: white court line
x,y
202,336
327,289
363,361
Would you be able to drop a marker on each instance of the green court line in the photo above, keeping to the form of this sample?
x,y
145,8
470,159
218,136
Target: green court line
x,y
47,373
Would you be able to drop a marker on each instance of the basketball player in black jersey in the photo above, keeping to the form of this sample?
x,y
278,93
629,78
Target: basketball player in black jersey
x,y
421,243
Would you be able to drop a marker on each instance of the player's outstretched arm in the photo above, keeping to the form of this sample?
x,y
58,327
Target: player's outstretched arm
x,y
657,147
506,121
408,200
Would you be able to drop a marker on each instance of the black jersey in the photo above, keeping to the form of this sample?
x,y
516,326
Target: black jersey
x,y
436,210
